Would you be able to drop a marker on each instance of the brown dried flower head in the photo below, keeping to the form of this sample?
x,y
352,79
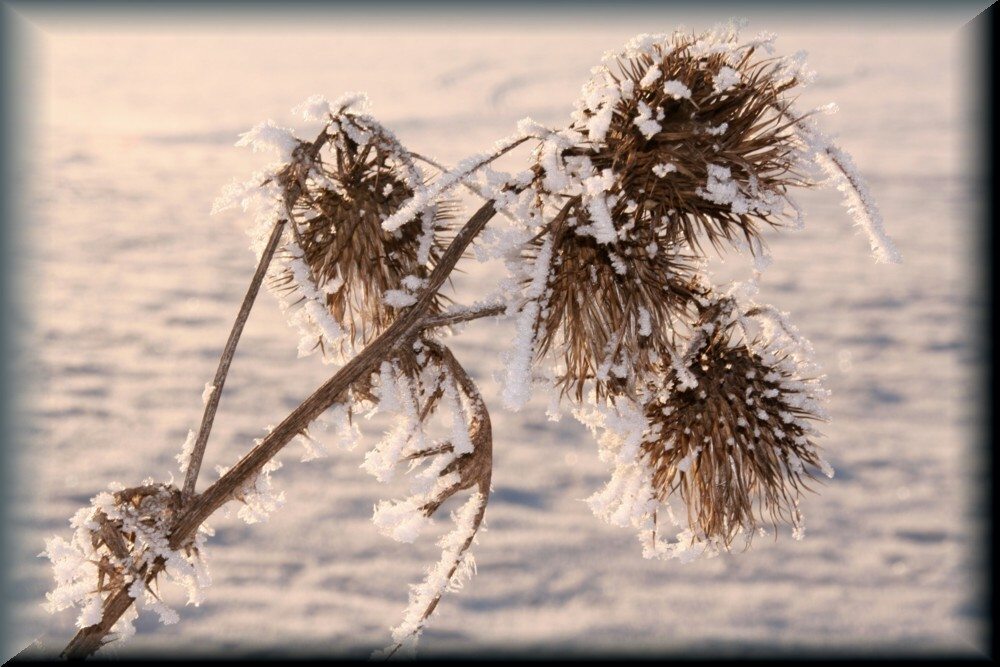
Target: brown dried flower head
x,y
693,131
683,138
611,310
360,177
732,432
118,548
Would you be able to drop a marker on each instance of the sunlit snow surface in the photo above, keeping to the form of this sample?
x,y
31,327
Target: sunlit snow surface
x,y
133,287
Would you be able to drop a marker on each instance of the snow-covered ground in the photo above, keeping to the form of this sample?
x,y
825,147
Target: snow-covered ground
x,y
130,289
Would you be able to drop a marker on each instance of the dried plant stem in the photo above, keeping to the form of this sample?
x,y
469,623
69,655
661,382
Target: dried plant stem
x,y
410,322
407,325
212,405
483,436
88,640
475,189
447,319
477,521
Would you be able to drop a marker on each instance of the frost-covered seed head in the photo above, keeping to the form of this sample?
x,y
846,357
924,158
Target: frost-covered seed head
x,y
353,185
693,129
122,540
737,469
613,306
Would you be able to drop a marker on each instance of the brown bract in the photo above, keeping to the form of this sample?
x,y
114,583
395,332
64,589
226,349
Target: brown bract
x,y
338,213
661,176
612,309
152,507
737,446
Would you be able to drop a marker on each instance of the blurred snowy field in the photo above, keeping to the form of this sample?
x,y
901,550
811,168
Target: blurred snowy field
x,y
133,287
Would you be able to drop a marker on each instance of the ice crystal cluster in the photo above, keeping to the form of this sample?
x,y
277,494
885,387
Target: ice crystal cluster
x,y
704,403
121,542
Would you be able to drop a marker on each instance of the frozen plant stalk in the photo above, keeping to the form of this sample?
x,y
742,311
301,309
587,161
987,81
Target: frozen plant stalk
x,y
697,394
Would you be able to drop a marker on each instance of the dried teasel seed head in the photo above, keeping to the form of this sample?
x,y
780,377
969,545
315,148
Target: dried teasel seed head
x,y
688,133
732,433
361,272
610,311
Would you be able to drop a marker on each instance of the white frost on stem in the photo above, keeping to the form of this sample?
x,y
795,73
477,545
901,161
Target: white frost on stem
x,y
258,495
397,393
450,573
842,174
517,385
427,196
87,567
860,203
187,449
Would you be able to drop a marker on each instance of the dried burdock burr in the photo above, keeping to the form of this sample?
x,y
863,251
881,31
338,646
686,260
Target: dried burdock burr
x,y
726,428
610,311
676,140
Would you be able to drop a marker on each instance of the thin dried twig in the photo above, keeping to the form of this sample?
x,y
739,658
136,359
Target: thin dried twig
x,y
212,405
448,319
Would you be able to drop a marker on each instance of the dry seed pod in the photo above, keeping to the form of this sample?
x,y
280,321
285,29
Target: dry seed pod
x,y
122,541
360,272
611,310
690,135
684,138
733,433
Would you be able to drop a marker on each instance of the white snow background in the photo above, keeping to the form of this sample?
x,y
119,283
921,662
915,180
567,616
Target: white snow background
x,y
133,287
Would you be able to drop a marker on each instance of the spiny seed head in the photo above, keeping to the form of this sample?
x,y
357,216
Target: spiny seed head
x,y
151,507
738,446
694,129
610,311
351,187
